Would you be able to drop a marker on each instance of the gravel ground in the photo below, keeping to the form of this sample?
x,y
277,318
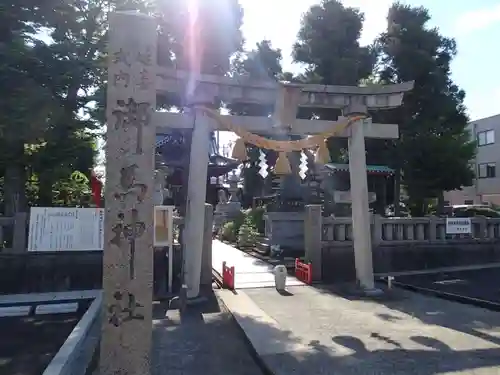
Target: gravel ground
x,y
204,340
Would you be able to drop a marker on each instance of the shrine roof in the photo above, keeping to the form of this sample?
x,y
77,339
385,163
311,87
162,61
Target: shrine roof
x,y
373,169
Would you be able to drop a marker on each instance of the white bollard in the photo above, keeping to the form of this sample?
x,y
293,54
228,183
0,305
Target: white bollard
x,y
280,273
389,282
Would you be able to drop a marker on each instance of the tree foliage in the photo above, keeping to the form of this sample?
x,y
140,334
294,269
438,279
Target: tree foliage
x,y
434,149
261,63
26,104
53,91
328,43
51,62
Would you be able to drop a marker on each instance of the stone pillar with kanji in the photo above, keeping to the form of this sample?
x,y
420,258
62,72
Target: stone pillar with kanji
x,y
129,191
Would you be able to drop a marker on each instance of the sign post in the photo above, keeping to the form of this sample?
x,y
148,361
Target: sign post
x,y
164,236
458,225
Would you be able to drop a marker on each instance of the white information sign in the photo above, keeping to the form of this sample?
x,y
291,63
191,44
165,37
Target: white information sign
x,y
66,229
163,226
458,225
164,236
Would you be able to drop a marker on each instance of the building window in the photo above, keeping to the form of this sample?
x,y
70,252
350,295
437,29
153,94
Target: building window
x,y
486,138
468,201
487,170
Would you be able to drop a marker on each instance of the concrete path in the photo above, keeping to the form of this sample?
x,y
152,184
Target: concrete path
x,y
313,331
250,272
205,340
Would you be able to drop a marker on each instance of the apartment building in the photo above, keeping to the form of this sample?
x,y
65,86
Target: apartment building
x,y
486,188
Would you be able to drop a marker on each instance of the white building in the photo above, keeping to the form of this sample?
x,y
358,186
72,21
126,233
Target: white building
x,y
486,188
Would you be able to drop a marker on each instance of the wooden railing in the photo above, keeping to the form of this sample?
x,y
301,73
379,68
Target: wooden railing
x,y
408,230
13,233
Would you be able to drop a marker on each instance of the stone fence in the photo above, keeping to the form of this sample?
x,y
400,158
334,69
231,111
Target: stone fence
x,y
23,271
399,244
403,231
287,229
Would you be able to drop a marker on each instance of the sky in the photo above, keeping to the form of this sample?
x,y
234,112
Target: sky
x,y
473,24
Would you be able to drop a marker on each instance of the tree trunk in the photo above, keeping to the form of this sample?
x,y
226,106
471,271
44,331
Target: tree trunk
x,y
397,193
45,191
417,206
14,189
440,205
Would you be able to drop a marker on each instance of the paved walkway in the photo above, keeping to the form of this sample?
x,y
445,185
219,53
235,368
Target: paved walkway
x,y
313,331
250,272
204,340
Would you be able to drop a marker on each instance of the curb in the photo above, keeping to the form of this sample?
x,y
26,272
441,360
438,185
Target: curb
x,y
266,370
488,305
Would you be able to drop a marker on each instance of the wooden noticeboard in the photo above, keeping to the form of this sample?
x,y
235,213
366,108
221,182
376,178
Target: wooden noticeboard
x,y
66,229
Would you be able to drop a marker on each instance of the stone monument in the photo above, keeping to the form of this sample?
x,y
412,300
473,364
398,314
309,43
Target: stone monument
x,y
234,203
128,235
227,209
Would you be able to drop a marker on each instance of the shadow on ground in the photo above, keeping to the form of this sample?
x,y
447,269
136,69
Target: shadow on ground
x,y
432,312
435,357
205,340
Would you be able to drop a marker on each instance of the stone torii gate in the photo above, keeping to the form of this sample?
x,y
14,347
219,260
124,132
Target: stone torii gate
x,y
134,79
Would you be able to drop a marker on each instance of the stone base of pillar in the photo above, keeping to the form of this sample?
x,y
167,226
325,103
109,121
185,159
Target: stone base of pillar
x,y
373,292
196,301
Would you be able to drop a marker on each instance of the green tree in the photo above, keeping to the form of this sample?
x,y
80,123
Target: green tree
x,y
46,89
261,63
434,149
26,104
73,69
328,43
54,93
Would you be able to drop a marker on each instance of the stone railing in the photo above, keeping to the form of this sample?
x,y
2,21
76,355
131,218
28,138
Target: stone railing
x,y
288,230
387,231
78,353
398,245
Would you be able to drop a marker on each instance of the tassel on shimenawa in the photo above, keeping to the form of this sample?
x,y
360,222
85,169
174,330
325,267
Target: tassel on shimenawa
x,y
282,166
240,150
322,154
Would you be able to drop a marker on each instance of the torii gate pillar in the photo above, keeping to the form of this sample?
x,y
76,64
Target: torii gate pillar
x,y
361,229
